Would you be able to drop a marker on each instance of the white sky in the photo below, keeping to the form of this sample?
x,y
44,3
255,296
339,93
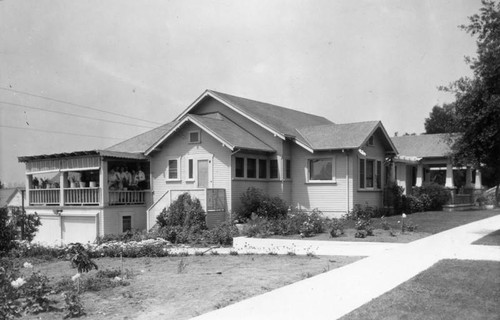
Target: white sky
x,y
345,60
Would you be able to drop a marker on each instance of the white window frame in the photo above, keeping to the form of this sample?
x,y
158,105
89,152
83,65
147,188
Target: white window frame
x,y
375,173
167,171
257,167
193,160
199,136
308,173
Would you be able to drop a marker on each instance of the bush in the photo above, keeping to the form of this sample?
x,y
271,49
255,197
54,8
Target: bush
x,y
363,218
412,204
185,212
395,197
222,234
437,194
337,227
255,201
7,232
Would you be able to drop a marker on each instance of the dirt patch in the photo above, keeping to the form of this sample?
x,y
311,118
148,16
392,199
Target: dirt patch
x,y
183,287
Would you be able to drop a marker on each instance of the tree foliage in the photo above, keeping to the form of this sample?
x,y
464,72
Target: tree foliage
x,y
441,119
477,100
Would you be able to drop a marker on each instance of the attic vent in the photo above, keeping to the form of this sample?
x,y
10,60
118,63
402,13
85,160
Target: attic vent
x,y
370,141
194,137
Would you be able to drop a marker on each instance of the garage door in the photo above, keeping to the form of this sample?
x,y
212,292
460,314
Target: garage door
x,y
79,229
49,232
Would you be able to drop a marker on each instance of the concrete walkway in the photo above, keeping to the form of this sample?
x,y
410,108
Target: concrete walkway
x,y
335,293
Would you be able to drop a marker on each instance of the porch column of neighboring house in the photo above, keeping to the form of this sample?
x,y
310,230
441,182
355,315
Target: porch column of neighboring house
x,y
63,184
420,172
468,178
103,182
392,172
478,184
29,181
449,175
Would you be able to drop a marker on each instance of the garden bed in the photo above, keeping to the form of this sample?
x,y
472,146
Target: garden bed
x,y
388,229
183,287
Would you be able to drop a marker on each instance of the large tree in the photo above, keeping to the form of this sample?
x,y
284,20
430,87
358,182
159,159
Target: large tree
x,y
441,119
477,104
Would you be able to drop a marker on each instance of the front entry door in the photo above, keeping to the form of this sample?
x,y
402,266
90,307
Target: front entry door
x,y
203,172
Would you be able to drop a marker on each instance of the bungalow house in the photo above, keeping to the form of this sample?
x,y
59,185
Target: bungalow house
x,y
216,149
425,159
11,198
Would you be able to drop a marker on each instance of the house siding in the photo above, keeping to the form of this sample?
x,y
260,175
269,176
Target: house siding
x,y
177,146
330,198
369,197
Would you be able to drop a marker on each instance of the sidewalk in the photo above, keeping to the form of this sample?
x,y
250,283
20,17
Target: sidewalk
x,y
335,293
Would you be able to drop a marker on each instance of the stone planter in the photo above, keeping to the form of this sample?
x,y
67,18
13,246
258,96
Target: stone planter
x,y
489,206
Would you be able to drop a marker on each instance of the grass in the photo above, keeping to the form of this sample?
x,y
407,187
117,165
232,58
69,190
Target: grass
x,y
451,289
492,239
183,287
428,223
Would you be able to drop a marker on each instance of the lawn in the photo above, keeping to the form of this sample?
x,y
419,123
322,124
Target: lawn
x,y
427,223
492,239
183,287
451,289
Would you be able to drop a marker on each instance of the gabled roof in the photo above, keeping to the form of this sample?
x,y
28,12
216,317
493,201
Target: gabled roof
x,y
425,145
278,120
6,195
222,129
343,136
144,141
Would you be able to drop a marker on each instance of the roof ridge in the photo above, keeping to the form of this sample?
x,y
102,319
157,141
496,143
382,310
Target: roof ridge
x,y
267,103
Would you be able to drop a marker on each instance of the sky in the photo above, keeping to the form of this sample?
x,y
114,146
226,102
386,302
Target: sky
x,y
143,62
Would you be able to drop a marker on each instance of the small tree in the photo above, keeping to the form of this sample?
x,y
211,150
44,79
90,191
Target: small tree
x,y
7,232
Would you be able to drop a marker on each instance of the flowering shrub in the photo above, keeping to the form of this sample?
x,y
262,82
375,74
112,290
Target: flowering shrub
x,y
185,212
222,234
437,194
255,201
337,227
413,204
363,218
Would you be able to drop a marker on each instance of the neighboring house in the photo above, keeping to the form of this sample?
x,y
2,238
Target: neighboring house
x,y
216,149
425,159
11,198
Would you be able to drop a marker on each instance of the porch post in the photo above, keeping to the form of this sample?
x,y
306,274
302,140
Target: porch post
x,y
468,178
420,170
103,183
449,175
478,184
392,174
28,183
63,178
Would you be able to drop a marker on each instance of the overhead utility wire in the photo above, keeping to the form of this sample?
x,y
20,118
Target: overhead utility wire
x,y
76,104
59,132
73,114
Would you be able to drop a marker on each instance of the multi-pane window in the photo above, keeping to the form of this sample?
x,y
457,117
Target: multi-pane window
x,y
239,167
194,137
173,169
288,169
126,223
262,168
273,169
321,169
251,168
370,174
362,173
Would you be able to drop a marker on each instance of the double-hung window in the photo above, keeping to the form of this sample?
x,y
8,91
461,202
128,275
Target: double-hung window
x,y
370,172
239,171
262,169
273,169
251,168
173,169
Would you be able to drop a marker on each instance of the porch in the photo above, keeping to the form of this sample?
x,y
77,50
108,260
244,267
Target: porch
x,y
90,178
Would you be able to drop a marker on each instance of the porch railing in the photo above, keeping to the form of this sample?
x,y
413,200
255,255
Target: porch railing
x,y
461,199
81,196
45,196
120,197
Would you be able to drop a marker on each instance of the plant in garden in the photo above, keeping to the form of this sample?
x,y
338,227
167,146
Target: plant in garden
x,y
74,307
337,227
80,258
437,194
255,201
